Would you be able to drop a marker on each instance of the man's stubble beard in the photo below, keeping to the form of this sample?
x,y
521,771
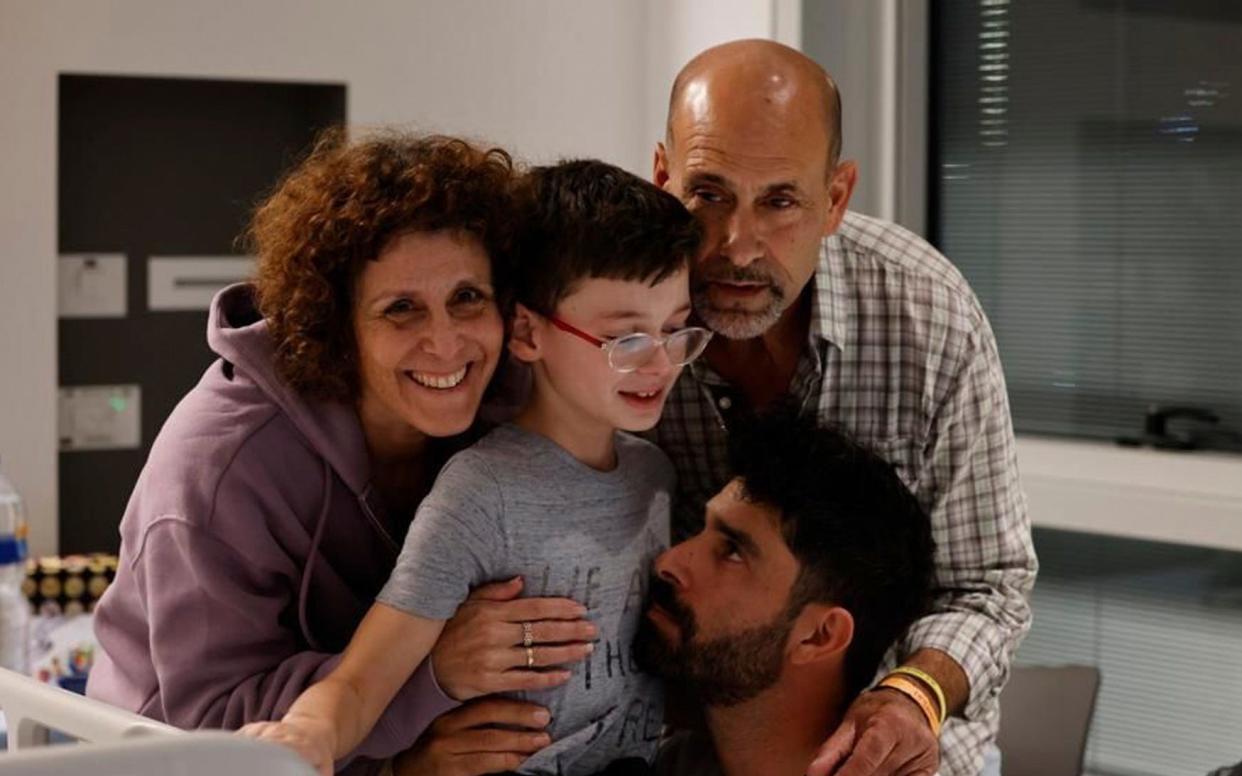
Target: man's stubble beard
x,y
723,671
738,323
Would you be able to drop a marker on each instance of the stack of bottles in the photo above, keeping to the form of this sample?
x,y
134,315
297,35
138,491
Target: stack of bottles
x,y
14,606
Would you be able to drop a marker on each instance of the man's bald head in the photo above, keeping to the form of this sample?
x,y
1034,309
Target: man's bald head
x,y
764,72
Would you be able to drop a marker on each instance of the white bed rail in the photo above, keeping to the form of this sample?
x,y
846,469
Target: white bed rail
x,y
190,754
119,743
31,709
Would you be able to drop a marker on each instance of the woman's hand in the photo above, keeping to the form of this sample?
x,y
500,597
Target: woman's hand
x,y
313,746
483,648
463,742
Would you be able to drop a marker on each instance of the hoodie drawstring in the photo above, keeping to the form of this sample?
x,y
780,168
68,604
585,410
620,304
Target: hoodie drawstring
x,y
303,592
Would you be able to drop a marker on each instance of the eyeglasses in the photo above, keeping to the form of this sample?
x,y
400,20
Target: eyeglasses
x,y
634,351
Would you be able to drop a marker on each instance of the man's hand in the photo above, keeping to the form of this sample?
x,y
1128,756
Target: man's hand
x,y
463,742
884,733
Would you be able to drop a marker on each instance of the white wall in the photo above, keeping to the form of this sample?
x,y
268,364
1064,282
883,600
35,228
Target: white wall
x,y
547,78
843,36
876,51
678,30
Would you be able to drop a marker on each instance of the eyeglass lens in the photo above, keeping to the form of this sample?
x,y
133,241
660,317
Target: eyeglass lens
x,y
636,350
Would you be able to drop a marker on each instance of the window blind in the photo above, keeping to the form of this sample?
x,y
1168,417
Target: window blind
x,y
1086,176
1163,624
1087,180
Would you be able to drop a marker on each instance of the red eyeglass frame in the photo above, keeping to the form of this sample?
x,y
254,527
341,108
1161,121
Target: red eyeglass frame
x,y
602,344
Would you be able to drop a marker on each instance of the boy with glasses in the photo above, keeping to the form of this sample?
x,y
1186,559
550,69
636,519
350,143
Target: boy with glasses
x,y
562,496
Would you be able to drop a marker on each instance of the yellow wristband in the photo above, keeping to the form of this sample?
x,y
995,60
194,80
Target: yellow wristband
x,y
914,693
931,683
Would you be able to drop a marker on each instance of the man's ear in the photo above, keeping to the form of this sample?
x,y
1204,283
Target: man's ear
x,y
524,340
840,189
821,632
659,167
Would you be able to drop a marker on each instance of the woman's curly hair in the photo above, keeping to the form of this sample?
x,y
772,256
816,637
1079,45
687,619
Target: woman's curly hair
x,y
337,210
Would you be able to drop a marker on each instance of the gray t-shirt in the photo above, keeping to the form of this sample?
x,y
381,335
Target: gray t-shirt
x,y
517,503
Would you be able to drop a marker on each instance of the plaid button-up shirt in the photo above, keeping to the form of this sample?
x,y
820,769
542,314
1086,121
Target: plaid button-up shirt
x,y
900,354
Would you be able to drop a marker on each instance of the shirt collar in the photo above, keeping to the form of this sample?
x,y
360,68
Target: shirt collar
x,y
703,373
829,303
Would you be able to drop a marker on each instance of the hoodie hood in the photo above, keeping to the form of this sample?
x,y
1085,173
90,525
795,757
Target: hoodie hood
x,y
237,332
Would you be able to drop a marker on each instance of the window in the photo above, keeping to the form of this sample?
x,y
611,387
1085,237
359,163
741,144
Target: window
x,y
1087,178
1162,623
1085,173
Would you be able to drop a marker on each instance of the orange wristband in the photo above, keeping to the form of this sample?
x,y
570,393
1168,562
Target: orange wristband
x,y
931,683
915,693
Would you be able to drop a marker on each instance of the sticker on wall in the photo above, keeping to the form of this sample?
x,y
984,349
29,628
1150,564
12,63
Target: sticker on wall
x,y
100,417
190,282
91,285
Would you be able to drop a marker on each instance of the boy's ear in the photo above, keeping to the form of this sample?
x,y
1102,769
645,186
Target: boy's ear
x,y
524,340
821,632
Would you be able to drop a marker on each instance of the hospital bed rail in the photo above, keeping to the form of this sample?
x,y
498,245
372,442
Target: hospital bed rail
x,y
113,742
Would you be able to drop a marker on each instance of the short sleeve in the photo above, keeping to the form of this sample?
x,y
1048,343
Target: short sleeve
x,y
456,541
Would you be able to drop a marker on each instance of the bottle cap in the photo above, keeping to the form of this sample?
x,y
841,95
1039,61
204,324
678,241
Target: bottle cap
x,y
12,550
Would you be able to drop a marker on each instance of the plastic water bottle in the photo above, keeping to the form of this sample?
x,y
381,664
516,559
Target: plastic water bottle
x,y
14,607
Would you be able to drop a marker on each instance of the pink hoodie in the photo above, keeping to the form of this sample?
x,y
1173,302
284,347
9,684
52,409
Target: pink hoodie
x,y
251,548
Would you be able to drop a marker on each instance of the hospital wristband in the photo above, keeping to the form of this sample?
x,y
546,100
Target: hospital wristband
x,y
931,683
915,693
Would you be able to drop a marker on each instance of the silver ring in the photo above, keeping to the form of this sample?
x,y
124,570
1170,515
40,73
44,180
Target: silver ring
x,y
528,634
530,657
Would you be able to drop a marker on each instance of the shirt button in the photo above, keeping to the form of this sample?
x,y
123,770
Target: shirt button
x,y
724,403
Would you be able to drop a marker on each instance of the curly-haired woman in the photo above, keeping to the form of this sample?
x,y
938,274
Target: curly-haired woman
x,y
274,501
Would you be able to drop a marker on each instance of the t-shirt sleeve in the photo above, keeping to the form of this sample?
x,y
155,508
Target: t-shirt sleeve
x,y
455,542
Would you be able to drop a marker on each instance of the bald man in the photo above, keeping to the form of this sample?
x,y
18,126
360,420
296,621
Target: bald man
x,y
867,327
